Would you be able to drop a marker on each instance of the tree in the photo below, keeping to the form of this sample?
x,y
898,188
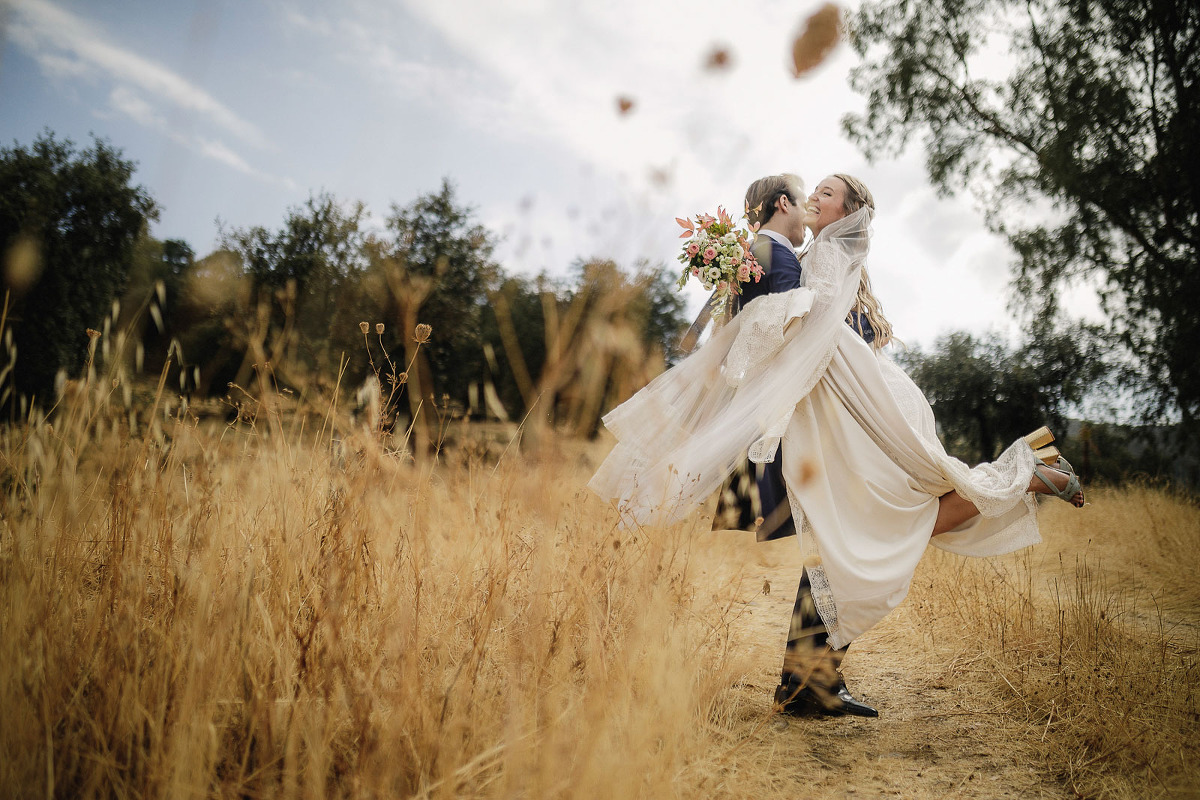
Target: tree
x,y
310,274
150,304
985,394
1095,118
69,223
661,309
440,270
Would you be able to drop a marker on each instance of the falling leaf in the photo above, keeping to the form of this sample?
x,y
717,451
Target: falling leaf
x,y
660,176
718,59
624,104
822,31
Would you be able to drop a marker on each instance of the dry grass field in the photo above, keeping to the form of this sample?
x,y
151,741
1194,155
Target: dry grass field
x,y
294,608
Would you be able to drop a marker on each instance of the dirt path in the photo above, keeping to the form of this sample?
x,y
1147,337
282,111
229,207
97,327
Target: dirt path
x,y
936,736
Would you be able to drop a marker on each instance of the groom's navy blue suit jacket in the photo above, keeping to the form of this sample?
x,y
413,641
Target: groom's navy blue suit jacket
x,y
781,270
781,273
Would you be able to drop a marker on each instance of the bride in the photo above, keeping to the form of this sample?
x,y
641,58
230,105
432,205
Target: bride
x,y
867,480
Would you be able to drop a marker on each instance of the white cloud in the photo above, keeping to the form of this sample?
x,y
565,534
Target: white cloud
x,y
65,47
65,44
220,152
129,103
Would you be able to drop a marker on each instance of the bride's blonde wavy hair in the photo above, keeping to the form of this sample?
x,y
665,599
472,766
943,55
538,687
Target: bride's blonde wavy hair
x,y
867,304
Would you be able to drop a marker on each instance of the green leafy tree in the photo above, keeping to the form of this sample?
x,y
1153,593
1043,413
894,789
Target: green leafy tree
x,y
439,268
311,274
1093,120
986,394
69,224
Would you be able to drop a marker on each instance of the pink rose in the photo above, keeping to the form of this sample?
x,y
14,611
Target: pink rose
x,y
696,272
744,272
693,248
710,253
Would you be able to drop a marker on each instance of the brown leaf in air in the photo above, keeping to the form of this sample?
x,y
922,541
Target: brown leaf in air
x,y
660,176
822,31
718,59
624,104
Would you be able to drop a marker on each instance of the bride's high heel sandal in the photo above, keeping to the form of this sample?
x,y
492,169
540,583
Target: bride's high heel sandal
x,y
1039,438
1073,486
1038,441
1047,455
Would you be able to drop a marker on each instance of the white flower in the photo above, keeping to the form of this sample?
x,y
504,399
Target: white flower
x,y
729,238
713,274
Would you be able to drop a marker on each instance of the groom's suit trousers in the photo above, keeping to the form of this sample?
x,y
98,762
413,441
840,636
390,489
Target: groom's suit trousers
x,y
808,658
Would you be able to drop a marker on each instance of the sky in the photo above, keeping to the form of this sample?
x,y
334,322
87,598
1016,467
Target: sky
x,y
237,111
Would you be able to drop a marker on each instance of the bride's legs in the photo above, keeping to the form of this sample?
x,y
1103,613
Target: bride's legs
x,y
954,509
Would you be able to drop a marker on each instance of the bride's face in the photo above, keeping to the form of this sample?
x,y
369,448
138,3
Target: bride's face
x,y
826,204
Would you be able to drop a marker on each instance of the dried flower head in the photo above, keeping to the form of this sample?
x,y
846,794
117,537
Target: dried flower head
x,y
421,335
92,334
379,328
364,327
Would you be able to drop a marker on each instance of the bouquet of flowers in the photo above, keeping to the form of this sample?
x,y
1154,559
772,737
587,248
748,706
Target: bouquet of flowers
x,y
719,256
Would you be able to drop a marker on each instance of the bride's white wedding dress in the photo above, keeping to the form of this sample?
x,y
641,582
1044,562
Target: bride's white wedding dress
x,y
861,460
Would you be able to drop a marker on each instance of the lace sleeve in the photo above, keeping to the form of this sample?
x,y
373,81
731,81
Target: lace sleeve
x,y
764,323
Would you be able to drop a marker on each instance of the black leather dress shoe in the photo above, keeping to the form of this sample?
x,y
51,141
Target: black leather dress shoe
x,y
810,702
851,706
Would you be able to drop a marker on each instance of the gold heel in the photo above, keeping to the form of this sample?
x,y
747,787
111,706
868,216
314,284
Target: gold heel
x,y
1039,438
1047,455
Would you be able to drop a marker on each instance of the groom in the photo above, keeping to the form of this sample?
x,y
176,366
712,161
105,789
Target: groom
x,y
811,683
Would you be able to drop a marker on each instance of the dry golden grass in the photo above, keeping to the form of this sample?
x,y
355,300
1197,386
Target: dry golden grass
x,y
278,610
1092,637
257,613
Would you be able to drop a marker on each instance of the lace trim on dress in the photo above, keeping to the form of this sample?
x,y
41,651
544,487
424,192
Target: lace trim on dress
x,y
762,331
822,597
990,486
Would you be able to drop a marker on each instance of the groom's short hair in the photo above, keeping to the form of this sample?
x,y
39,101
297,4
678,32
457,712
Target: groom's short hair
x,y
765,192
